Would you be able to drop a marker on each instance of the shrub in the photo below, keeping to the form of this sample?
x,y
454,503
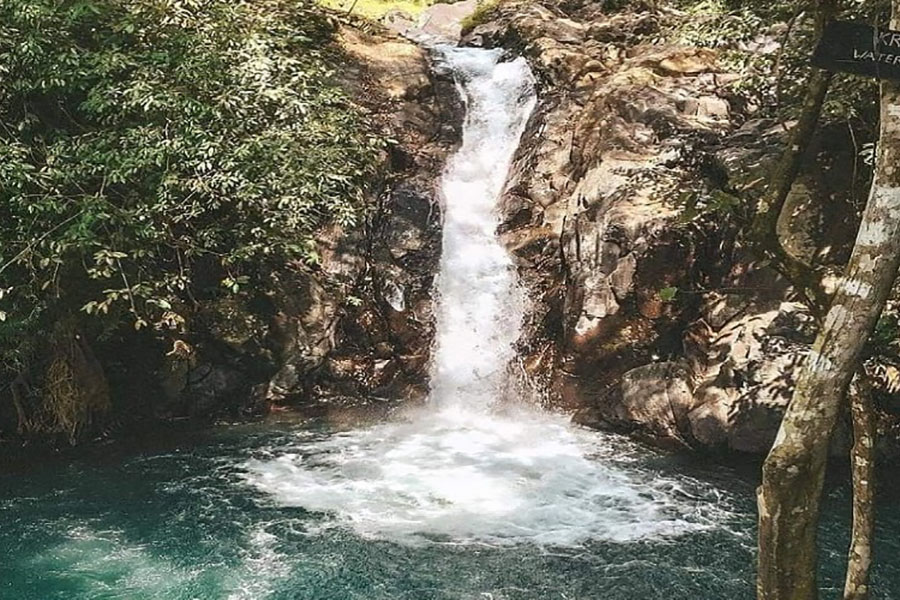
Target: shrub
x,y
153,154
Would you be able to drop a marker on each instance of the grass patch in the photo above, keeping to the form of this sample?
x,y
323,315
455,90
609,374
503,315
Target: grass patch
x,y
483,13
376,9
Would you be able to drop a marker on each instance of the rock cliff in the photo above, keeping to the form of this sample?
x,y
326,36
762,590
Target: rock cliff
x,y
352,327
358,328
647,316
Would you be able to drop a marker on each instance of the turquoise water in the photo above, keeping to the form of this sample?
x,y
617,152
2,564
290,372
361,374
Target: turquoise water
x,y
182,521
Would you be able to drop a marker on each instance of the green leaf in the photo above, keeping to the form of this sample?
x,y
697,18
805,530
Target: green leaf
x,y
668,294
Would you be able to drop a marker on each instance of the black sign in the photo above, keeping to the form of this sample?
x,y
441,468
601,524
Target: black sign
x,y
858,48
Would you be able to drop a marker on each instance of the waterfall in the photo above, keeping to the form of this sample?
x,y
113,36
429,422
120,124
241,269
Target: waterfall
x,y
459,472
480,307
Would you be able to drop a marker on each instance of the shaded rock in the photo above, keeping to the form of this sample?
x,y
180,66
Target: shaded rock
x,y
211,388
599,214
655,398
690,61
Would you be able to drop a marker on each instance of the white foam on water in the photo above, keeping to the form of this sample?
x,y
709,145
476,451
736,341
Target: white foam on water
x,y
459,472
262,568
472,478
105,563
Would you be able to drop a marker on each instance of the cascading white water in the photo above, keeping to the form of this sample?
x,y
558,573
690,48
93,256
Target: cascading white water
x,y
459,472
480,307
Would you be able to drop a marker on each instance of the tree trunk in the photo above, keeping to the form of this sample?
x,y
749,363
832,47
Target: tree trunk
x,y
795,467
805,279
862,458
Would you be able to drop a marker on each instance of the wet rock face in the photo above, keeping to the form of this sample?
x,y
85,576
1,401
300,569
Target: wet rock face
x,y
383,339
359,324
383,343
644,318
368,328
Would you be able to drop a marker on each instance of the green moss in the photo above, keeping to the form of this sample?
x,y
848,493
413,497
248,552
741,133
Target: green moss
x,y
484,13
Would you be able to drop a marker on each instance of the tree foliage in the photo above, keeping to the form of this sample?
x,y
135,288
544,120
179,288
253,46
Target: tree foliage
x,y
769,44
156,151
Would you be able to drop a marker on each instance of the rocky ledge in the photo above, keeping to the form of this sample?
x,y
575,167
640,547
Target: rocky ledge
x,y
647,316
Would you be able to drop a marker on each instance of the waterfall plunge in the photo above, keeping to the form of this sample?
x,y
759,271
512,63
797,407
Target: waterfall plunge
x,y
480,307
459,473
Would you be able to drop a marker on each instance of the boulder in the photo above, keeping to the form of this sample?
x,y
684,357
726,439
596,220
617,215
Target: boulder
x,y
730,390
655,399
397,66
707,107
691,61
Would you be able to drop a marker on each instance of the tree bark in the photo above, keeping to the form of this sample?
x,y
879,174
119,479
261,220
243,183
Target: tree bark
x,y
794,470
763,234
862,459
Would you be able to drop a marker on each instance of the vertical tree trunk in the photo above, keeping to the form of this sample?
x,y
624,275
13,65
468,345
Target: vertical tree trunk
x,y
795,467
862,459
763,234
